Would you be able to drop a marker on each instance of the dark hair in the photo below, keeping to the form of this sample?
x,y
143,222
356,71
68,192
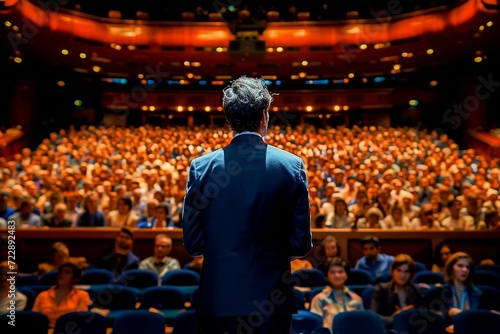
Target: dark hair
x,y
450,276
437,252
340,262
453,201
77,272
244,102
402,259
370,240
127,201
163,206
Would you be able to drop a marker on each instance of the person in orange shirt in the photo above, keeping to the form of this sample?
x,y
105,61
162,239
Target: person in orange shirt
x,y
63,297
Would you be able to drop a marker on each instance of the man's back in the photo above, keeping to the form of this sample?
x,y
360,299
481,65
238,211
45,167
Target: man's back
x,y
247,212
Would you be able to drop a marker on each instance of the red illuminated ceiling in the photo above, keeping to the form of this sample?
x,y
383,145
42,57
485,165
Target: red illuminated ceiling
x,y
311,49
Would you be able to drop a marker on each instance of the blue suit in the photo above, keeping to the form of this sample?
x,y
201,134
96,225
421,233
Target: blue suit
x,y
246,211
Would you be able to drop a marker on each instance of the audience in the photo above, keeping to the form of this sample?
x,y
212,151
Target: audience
x,y
59,254
335,297
160,263
331,249
63,297
373,261
91,217
442,252
121,258
399,294
57,218
124,215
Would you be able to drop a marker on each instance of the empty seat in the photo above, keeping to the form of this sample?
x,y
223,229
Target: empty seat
x,y
50,278
311,278
476,321
84,322
185,323
25,280
26,322
138,321
306,322
138,278
487,277
419,321
96,276
168,300
358,277
358,322
428,277
30,296
419,266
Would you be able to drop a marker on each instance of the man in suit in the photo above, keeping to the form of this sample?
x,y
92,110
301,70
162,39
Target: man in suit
x,y
246,211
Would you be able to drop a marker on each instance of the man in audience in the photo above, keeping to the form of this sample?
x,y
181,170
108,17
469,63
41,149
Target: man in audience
x,y
161,263
25,217
373,261
5,210
331,247
456,221
57,218
121,258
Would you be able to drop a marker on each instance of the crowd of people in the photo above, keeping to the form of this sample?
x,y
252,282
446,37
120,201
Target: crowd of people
x,y
389,178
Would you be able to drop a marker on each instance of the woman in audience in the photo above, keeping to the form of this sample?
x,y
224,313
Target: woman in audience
x,y
340,217
399,294
335,297
124,215
374,219
59,254
459,293
91,217
63,297
442,252
396,220
425,220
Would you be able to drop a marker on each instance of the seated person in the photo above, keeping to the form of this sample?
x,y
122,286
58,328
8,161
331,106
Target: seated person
x,y
160,263
458,293
374,219
456,221
396,220
373,261
124,215
331,247
6,297
399,294
25,216
63,297
335,297
59,254
442,252
90,217
160,217
57,218
121,258
425,219
340,217
148,219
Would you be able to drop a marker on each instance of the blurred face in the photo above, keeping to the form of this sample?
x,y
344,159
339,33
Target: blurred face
x,y
370,251
461,270
163,246
123,208
59,213
331,249
91,204
160,214
65,277
401,275
340,208
445,253
396,214
124,241
61,256
337,277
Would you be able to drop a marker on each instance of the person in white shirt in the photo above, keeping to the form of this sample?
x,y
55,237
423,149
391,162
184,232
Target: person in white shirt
x,y
456,221
340,217
396,220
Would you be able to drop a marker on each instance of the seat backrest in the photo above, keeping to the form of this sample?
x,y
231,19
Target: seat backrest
x,y
30,296
303,16
185,323
181,277
419,266
419,321
490,267
25,280
139,321
309,278
300,299
358,277
358,322
162,298
487,277
306,322
476,321
26,322
273,16
86,322
138,278
115,297
367,297
49,278
490,298
428,277
96,276
383,278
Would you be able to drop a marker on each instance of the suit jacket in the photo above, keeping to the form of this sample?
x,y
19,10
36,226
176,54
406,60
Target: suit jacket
x,y
246,210
385,300
86,219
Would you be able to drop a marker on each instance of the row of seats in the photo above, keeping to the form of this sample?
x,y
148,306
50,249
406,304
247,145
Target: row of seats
x,y
355,322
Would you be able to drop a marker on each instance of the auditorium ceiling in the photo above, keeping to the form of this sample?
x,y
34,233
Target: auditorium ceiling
x,y
463,35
